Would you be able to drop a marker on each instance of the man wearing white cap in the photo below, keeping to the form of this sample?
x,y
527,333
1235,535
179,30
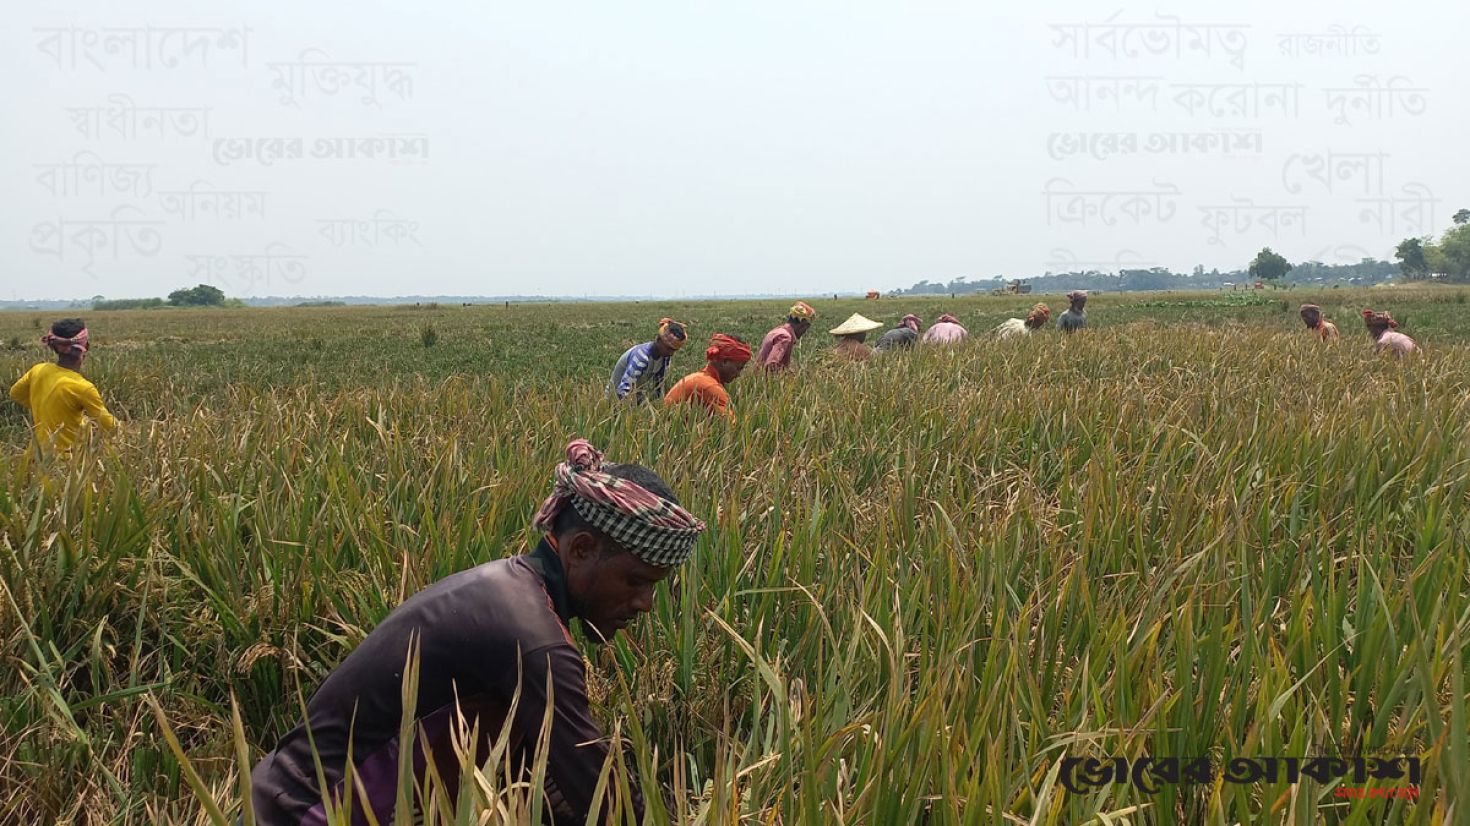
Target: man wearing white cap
x,y
851,335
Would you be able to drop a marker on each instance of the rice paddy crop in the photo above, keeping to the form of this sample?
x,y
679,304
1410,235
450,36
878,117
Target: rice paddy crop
x,y
1185,532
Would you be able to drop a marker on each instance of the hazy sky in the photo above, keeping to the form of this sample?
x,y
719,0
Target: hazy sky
x,y
675,148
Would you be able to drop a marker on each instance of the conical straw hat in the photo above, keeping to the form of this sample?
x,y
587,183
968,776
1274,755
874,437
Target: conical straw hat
x,y
856,323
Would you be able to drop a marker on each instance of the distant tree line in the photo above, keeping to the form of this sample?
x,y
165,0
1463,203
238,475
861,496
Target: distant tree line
x,y
1268,268
1447,259
202,295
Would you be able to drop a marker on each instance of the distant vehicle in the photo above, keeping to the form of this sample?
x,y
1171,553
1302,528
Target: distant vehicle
x,y
1014,287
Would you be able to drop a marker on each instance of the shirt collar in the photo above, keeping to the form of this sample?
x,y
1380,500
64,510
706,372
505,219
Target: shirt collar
x,y
544,561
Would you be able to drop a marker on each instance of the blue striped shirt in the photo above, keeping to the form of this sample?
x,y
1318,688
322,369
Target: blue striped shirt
x,y
639,372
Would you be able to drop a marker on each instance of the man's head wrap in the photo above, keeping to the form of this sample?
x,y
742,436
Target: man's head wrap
x,y
1373,319
722,346
74,346
946,318
1076,294
651,527
1310,308
1039,314
801,311
912,322
674,334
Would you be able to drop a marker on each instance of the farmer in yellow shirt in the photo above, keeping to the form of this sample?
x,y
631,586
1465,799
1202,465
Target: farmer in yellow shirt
x,y
57,395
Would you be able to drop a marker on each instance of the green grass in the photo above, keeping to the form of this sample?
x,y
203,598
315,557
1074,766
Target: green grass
x,y
1188,531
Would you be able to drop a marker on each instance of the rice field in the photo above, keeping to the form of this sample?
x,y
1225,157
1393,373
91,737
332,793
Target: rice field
x,y
1187,532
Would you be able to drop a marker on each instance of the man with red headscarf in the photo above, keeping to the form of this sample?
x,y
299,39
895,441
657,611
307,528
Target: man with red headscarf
x,y
494,649
57,395
1382,327
726,357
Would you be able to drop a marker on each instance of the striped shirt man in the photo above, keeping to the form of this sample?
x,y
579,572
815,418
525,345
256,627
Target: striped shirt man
x,y
639,372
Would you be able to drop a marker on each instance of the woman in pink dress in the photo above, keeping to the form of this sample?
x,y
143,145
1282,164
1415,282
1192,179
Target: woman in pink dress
x,y
1381,327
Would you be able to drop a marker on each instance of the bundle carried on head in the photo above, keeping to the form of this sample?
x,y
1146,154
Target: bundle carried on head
x,y
651,527
802,311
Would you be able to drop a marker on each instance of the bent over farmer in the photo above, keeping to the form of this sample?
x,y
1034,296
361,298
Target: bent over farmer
x,y
1319,327
726,357
57,395
1034,320
902,337
640,371
1075,317
611,534
775,350
1386,336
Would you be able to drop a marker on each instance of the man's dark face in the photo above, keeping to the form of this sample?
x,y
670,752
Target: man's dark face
x,y
800,327
1079,303
1311,318
728,369
608,587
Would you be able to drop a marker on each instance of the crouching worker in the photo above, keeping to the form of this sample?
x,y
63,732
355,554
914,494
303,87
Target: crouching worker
x,y
612,533
57,395
1384,331
726,357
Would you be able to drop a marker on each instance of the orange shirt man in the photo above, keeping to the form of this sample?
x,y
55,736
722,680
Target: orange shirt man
x,y
726,357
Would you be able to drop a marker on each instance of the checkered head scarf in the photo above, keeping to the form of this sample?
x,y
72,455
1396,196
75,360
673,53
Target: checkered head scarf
x,y
652,528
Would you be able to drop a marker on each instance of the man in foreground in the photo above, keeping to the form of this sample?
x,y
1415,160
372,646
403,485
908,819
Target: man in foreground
x,y
1323,329
641,369
57,395
1075,318
776,347
902,337
612,533
726,358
